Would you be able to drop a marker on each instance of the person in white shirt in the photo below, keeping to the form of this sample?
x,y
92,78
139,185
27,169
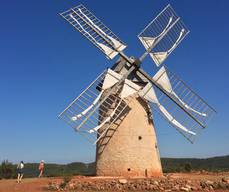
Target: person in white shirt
x,y
20,170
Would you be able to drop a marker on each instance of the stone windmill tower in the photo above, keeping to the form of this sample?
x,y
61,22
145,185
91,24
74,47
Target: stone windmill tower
x,y
115,110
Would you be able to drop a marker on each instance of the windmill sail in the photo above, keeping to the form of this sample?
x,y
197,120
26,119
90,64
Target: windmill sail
x,y
94,30
188,109
149,94
163,35
110,79
106,99
148,42
161,77
159,57
89,111
174,121
129,88
117,44
74,118
108,119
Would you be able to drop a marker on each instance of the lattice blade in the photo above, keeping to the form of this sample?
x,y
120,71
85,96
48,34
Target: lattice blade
x,y
94,30
177,103
95,109
163,35
184,95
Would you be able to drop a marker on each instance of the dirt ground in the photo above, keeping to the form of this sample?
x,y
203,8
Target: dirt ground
x,y
27,185
39,184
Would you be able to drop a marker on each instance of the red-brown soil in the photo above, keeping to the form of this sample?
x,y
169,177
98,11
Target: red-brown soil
x,y
27,185
40,184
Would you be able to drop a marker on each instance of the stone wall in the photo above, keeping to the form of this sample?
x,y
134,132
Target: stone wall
x,y
129,148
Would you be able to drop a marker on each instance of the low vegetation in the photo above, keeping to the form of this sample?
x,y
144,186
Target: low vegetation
x,y
215,164
7,170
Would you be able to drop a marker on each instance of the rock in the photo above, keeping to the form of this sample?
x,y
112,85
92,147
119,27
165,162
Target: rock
x,y
209,182
225,179
188,187
155,183
203,184
222,185
206,184
203,172
53,186
150,184
117,186
71,186
153,187
211,188
102,188
79,186
94,188
122,181
184,189
176,188
193,188
161,188
170,176
107,185
132,187
147,187
215,185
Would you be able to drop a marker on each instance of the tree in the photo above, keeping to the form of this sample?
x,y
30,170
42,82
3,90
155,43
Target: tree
x,y
188,167
7,170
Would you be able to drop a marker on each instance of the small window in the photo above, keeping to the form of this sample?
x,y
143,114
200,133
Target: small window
x,y
128,169
139,137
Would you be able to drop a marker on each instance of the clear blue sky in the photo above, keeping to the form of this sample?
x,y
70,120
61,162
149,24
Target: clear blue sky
x,y
45,64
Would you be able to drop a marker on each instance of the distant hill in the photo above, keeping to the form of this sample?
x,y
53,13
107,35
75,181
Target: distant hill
x,y
169,165
54,170
208,164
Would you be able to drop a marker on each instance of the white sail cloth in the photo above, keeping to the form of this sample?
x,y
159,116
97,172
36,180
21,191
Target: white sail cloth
x,y
76,117
149,94
110,79
159,57
106,120
129,88
117,45
161,77
148,42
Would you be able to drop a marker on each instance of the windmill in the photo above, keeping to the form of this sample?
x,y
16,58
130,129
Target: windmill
x,y
115,112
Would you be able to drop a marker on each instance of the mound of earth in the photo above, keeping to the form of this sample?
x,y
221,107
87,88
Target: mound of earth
x,y
170,182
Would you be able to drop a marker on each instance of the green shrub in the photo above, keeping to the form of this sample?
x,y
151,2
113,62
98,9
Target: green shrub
x,y
7,170
188,167
66,180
